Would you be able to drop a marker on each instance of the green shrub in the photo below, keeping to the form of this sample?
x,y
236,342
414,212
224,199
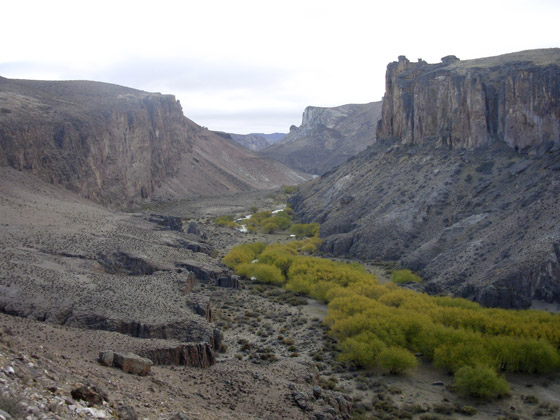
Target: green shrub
x,y
397,359
264,273
283,219
363,316
470,352
305,230
226,221
269,227
362,349
243,254
518,354
405,276
480,382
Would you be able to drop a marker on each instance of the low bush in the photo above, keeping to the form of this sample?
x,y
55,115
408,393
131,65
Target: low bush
x,y
226,221
480,382
305,230
362,349
263,273
397,360
405,276
243,254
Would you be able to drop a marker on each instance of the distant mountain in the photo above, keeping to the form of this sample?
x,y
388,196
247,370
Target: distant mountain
x,y
257,141
462,184
327,137
271,138
118,146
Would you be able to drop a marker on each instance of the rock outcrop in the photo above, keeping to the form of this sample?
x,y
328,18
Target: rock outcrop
x,y
477,218
190,354
511,98
127,362
327,137
117,146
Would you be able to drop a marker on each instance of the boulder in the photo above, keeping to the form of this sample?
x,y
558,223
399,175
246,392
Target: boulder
x,y
90,393
128,362
106,358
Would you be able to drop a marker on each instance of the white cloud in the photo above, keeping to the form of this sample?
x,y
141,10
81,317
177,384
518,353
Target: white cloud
x,y
224,58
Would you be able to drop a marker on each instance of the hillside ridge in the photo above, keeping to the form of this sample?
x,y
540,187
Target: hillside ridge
x,y
120,146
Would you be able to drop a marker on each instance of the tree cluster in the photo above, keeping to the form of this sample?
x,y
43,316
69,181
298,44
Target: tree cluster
x,y
385,325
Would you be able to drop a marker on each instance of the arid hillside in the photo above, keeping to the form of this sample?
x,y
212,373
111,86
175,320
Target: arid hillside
x,y
119,146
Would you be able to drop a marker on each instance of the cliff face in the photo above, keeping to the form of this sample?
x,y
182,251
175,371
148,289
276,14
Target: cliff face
x,y
327,137
511,98
477,218
117,145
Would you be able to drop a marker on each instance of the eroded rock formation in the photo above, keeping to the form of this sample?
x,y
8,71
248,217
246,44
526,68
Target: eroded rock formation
x,y
511,98
190,354
327,137
477,217
117,145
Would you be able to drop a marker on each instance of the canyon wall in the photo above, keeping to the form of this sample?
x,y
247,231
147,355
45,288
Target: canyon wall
x,y
119,146
511,98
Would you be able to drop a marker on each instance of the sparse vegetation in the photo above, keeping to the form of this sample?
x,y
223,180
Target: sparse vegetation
x,y
405,276
383,325
480,382
268,222
226,221
305,230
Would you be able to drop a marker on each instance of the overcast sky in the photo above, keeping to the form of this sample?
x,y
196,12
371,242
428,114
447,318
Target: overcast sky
x,y
253,66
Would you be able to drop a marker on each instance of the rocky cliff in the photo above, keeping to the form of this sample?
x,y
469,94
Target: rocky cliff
x,y
327,137
117,145
511,98
477,218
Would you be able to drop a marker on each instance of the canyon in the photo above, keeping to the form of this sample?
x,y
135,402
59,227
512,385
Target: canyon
x,y
462,183
326,137
108,201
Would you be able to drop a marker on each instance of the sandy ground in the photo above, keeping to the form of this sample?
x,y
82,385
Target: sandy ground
x,y
276,346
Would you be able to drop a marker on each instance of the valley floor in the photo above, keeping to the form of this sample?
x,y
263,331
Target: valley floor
x,y
278,361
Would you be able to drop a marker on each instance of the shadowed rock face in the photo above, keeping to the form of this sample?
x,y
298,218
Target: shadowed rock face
x,y
116,145
327,137
476,218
